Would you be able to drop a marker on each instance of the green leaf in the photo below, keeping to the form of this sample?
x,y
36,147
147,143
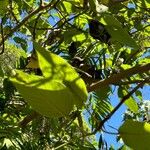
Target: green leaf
x,y
55,67
40,22
48,97
135,134
66,7
144,61
22,42
103,92
30,2
130,102
57,92
75,35
117,32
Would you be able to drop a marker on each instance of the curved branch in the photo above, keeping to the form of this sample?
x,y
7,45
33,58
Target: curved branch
x,y
118,77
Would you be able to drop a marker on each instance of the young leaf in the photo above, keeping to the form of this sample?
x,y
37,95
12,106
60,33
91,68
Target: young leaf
x,y
135,134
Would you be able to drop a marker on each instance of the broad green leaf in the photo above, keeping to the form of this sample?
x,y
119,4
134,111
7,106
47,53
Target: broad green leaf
x,y
73,34
146,3
55,67
68,7
130,102
135,134
57,92
144,61
48,97
117,32
39,23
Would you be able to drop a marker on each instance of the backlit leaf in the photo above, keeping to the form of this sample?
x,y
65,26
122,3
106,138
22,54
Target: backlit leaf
x,y
135,134
55,67
130,102
48,97
57,92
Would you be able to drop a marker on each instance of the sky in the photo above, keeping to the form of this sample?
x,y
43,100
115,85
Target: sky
x,y
116,119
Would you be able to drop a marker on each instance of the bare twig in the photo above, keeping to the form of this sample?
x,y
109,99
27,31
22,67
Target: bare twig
x,y
2,36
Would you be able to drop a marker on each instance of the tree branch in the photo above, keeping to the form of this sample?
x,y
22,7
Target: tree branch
x,y
39,9
28,119
118,77
2,36
101,123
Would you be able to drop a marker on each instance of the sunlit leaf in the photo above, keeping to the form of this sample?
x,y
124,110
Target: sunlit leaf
x,y
130,102
135,134
57,92
55,67
48,97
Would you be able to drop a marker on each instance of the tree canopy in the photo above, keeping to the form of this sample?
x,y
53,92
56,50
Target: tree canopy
x,y
60,63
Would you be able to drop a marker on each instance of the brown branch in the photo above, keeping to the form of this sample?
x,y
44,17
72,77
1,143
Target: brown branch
x,y
28,119
39,9
101,123
118,77
2,36
133,82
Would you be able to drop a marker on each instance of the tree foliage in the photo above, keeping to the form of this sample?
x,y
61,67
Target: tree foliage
x,y
58,72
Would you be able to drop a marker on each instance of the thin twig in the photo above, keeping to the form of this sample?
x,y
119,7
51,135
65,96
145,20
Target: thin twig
x,y
108,132
2,36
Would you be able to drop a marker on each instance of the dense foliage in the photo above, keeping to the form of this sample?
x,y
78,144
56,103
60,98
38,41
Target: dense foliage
x,y
60,61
